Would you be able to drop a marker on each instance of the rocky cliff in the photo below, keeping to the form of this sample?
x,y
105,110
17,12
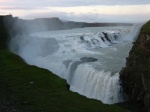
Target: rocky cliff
x,y
135,76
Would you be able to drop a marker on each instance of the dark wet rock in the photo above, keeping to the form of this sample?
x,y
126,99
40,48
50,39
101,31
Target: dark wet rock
x,y
115,36
82,38
88,59
106,36
68,86
4,30
102,39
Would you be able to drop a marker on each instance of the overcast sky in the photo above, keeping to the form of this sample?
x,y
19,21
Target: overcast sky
x,y
79,10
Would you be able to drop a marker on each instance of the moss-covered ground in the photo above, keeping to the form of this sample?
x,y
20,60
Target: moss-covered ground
x,y
146,28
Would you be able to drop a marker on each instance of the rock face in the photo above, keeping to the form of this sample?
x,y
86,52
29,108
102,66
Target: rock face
x,y
135,76
3,34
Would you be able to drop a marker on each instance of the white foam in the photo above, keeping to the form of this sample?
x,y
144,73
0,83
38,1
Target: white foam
x,y
60,52
97,84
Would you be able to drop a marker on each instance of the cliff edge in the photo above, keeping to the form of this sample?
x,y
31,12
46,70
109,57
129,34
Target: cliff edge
x,y
135,76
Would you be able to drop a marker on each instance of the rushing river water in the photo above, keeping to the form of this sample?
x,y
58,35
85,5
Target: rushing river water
x,y
88,58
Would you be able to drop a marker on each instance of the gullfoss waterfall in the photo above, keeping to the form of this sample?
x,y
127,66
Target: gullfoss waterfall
x,y
88,58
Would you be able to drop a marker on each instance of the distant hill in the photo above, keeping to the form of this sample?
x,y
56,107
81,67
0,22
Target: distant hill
x,y
12,26
42,24
48,24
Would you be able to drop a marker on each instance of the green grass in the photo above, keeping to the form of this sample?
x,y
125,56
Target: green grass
x,y
47,93
146,28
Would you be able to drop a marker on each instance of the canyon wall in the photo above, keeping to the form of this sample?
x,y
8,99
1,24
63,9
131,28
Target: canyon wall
x,y
135,76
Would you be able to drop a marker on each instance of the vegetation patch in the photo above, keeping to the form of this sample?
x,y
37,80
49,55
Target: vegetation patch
x,y
146,28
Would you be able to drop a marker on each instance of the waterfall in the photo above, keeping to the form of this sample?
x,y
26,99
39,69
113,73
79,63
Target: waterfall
x,y
88,58
97,84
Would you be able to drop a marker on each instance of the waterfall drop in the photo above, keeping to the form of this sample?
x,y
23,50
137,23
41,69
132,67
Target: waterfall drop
x,y
89,58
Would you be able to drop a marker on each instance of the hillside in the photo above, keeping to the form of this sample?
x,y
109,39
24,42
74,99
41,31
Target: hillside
x,y
135,76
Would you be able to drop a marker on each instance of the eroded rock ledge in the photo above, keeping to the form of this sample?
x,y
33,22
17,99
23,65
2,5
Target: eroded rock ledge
x,y
135,76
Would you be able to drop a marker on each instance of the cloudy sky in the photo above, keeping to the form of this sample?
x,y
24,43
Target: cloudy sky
x,y
79,10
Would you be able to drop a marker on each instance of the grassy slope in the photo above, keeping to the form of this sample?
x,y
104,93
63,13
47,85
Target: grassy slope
x,y
146,28
48,93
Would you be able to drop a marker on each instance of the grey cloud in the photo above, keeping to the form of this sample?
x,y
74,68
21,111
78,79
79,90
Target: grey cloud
x,y
106,2
2,12
70,3
20,8
65,16
134,18
92,17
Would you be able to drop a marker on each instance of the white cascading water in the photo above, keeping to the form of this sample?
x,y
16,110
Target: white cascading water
x,y
88,58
